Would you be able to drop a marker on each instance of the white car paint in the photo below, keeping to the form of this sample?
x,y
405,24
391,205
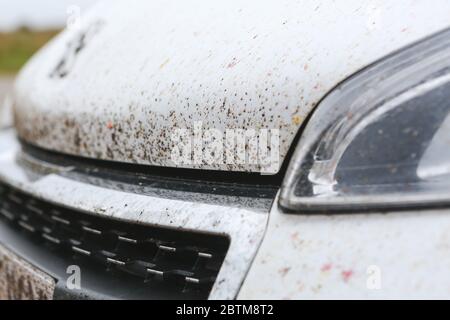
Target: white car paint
x,y
216,52
395,255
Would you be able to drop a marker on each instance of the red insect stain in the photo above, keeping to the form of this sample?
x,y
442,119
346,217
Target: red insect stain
x,y
346,275
326,267
109,125
232,63
295,236
283,271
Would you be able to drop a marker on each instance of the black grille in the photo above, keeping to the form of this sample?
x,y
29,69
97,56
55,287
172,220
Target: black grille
x,y
184,263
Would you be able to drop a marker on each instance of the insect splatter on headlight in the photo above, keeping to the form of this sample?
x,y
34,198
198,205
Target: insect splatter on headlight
x,y
381,139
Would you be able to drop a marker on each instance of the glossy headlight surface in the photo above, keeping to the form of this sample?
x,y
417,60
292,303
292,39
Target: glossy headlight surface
x,y
381,139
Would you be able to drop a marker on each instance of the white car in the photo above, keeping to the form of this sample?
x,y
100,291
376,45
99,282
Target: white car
x,y
232,149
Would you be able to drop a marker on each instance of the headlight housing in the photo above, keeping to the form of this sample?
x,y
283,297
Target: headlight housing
x,y
381,139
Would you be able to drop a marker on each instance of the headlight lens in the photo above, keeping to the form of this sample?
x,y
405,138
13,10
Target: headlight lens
x,y
381,139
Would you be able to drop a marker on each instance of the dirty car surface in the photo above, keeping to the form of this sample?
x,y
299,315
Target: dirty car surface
x,y
20,280
88,178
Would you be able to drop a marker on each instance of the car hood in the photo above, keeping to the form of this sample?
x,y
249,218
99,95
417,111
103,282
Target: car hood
x,y
118,82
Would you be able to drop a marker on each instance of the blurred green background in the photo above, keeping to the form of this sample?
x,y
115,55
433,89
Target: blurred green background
x,y
18,46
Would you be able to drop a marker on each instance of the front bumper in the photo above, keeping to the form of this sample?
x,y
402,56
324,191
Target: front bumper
x,y
244,225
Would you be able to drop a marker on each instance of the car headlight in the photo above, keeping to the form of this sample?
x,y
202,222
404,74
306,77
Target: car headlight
x,y
381,139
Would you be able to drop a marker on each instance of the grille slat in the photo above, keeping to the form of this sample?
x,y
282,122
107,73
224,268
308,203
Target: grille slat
x,y
182,261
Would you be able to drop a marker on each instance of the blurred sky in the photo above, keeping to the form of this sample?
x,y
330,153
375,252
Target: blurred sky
x,y
39,14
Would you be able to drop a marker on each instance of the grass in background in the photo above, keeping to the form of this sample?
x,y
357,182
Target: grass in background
x,y
18,46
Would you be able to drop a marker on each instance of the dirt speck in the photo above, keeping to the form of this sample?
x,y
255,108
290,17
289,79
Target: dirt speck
x,y
284,271
164,63
296,120
233,63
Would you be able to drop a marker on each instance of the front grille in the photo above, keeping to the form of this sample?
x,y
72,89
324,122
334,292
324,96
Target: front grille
x,y
184,263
